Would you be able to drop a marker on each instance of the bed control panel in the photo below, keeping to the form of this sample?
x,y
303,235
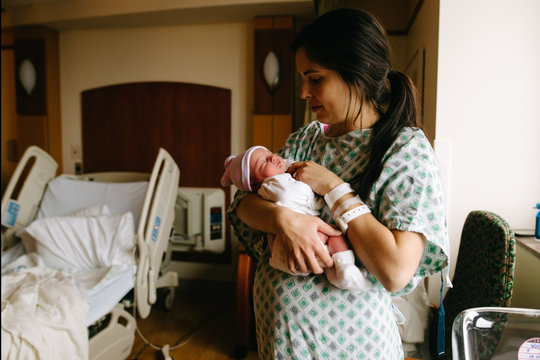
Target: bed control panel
x,y
199,222
216,223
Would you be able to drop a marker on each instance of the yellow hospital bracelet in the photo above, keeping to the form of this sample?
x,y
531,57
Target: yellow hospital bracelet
x,y
344,219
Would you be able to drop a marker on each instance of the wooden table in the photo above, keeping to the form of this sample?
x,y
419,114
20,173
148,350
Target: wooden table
x,y
529,243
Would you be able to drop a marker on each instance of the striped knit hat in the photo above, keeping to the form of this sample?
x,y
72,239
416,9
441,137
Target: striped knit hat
x,y
237,170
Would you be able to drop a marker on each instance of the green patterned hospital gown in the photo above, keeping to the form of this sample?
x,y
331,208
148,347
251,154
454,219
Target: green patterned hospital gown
x,y
301,317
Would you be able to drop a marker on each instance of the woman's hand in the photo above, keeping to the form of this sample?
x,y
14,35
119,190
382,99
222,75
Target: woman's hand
x,y
320,179
300,233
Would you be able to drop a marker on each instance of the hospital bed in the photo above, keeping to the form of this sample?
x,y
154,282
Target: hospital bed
x,y
140,205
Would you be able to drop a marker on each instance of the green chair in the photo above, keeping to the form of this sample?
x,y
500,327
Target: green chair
x,y
484,273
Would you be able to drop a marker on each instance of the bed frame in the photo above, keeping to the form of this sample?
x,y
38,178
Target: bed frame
x,y
20,204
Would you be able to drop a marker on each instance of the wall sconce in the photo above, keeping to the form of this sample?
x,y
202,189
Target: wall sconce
x,y
27,76
30,80
271,71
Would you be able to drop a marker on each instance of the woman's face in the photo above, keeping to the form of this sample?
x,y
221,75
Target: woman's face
x,y
327,93
264,163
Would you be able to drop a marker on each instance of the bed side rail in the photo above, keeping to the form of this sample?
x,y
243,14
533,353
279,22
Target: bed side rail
x,y
25,189
155,227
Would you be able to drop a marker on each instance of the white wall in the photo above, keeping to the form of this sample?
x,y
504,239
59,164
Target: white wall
x,y
218,55
488,109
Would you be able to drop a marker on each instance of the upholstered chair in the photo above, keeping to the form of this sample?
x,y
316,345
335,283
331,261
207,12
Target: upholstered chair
x,y
484,273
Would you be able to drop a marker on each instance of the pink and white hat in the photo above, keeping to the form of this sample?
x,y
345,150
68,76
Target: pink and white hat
x,y
237,170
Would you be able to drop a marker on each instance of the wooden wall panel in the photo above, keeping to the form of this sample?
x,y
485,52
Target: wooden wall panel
x,y
272,120
274,34
39,45
271,131
8,131
281,129
262,130
32,49
33,127
263,97
124,126
282,101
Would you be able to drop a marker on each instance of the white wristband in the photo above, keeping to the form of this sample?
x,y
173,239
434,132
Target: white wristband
x,y
336,193
345,204
344,219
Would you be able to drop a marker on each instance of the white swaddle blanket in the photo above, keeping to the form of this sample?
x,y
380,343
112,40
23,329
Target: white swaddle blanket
x,y
43,313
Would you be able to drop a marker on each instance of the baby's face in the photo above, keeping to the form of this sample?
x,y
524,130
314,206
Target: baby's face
x,y
264,163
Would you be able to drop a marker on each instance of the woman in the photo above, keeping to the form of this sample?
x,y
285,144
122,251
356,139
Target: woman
x,y
379,177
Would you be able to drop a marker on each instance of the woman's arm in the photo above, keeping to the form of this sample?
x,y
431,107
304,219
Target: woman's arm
x,y
298,231
391,256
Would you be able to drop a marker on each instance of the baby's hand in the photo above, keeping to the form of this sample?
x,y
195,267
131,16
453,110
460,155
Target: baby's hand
x,y
323,237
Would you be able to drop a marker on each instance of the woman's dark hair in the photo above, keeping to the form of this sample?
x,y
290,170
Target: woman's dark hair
x,y
353,43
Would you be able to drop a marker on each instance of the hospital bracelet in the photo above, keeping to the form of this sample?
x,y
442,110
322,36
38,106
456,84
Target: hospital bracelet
x,y
345,205
336,193
343,220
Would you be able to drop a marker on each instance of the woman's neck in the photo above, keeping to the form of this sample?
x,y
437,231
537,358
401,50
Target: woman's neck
x,y
367,118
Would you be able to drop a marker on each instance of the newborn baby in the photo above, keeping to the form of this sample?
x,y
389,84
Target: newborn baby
x,y
258,169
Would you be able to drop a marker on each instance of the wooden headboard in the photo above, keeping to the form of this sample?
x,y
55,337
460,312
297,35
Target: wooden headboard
x,y
124,125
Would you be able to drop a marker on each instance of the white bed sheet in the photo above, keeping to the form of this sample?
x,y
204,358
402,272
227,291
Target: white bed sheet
x,y
92,246
101,288
42,313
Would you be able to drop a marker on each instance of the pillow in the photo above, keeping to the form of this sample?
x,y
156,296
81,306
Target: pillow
x,y
71,243
64,196
92,211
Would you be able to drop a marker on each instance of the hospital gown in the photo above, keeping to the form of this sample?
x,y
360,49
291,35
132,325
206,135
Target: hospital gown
x,y
305,317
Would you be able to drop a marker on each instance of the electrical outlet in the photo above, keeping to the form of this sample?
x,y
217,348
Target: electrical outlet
x,y
76,152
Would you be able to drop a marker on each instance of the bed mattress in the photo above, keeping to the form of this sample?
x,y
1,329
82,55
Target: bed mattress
x,y
110,290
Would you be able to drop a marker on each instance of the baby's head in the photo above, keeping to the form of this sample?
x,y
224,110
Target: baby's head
x,y
248,170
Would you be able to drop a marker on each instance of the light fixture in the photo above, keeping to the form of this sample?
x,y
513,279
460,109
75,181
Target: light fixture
x,y
27,76
271,71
